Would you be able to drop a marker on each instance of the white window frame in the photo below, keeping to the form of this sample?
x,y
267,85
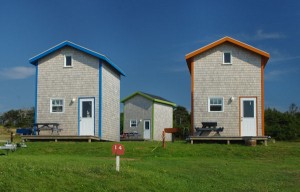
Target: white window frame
x,y
65,60
63,105
222,104
224,58
131,122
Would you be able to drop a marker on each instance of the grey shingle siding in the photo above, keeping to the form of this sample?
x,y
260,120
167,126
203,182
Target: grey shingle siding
x,y
79,81
213,78
140,108
163,118
110,104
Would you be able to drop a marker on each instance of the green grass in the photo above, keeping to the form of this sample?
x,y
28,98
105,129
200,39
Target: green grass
x,y
80,166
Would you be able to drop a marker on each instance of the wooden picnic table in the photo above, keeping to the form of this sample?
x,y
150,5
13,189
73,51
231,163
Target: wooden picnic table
x,y
130,135
208,127
9,147
53,127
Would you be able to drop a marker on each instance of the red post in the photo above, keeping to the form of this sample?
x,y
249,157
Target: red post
x,y
163,139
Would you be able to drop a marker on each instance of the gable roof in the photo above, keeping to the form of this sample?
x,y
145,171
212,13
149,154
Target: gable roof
x,y
34,60
150,97
189,57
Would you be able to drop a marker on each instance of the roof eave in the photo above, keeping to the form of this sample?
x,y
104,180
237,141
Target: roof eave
x,y
165,102
34,59
190,56
147,97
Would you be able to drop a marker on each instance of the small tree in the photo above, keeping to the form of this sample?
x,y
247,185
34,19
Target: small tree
x,y
121,122
181,120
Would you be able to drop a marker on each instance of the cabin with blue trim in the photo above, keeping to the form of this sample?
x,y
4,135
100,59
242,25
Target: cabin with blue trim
x,y
146,116
79,89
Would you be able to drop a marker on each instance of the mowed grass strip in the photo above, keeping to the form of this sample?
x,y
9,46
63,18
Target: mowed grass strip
x,y
80,166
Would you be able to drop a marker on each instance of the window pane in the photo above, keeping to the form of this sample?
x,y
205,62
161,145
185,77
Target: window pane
x,y
216,104
133,123
216,108
57,105
86,109
147,125
68,61
248,108
57,109
227,58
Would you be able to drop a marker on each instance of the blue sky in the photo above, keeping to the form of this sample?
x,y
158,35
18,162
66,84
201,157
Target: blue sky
x,y
148,40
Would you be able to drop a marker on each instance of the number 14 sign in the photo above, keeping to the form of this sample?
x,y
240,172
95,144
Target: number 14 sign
x,y
118,149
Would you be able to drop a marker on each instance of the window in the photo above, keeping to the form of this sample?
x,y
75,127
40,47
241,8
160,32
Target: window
x,y
68,61
133,123
215,104
56,105
248,108
226,58
87,109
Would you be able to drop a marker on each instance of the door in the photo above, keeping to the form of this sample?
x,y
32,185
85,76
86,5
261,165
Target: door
x,y
87,117
147,129
248,116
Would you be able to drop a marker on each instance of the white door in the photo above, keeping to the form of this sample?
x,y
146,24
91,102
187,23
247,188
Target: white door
x,y
248,116
147,129
87,117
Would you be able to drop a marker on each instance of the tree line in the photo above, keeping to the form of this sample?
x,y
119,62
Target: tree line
x,y
278,125
283,125
17,118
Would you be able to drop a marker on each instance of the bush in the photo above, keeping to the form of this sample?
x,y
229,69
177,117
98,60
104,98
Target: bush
x,y
283,126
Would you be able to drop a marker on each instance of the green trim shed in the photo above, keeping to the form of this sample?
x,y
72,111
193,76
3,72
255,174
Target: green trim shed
x,y
146,116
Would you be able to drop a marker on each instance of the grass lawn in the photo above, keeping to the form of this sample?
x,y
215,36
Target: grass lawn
x,y
80,166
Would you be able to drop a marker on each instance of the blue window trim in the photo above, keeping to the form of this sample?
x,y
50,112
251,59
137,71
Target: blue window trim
x,y
100,99
78,120
35,96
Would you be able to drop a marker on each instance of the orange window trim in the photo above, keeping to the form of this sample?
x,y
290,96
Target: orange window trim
x,y
240,124
192,97
263,63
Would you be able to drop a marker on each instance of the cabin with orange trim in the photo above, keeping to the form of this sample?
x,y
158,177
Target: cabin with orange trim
x,y
227,87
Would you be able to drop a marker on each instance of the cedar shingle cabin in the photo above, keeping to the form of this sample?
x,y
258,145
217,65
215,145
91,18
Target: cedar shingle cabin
x,y
79,89
147,115
227,87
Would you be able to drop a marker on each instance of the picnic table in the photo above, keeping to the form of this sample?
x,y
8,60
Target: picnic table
x,y
53,127
208,127
9,147
128,135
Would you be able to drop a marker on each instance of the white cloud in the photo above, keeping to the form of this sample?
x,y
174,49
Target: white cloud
x,y
261,35
284,58
278,74
281,57
17,72
258,35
